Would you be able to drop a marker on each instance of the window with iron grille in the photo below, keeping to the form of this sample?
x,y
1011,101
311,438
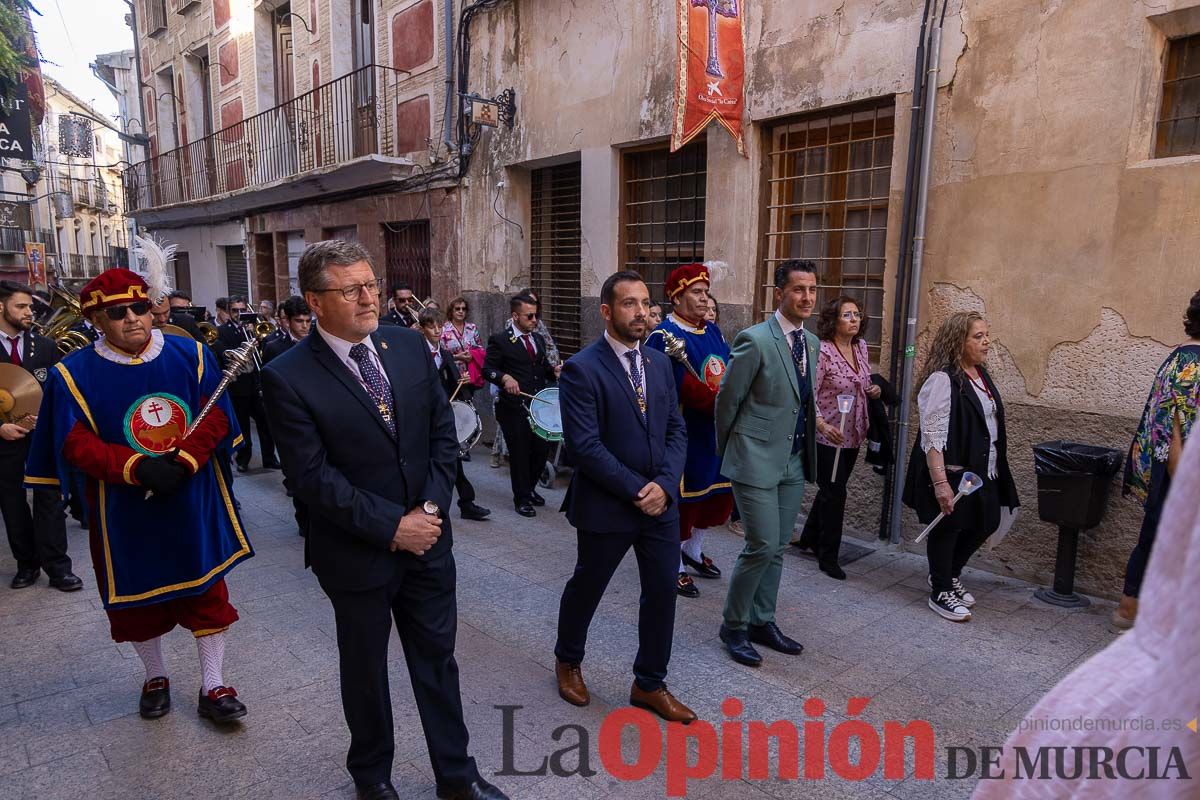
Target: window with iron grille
x,y
663,203
554,250
829,181
237,275
1179,120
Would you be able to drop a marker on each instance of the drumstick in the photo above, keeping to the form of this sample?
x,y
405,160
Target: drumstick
x,y
539,399
461,382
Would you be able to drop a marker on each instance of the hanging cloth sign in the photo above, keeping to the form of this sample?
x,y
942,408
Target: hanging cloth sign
x,y
711,70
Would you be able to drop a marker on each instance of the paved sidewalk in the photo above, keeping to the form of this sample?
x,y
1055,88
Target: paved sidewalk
x,y
68,696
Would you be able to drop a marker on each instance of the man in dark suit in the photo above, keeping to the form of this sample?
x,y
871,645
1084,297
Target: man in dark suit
x,y
38,540
404,308
430,323
297,323
624,431
246,390
368,441
516,362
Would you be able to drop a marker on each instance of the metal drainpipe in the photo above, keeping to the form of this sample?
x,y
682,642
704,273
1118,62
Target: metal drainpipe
x,y
914,286
448,46
906,224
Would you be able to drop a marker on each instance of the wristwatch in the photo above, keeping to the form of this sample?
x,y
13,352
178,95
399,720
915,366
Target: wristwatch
x,y
431,508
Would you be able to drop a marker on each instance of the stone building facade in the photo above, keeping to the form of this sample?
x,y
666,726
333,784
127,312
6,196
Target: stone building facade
x,y
1062,202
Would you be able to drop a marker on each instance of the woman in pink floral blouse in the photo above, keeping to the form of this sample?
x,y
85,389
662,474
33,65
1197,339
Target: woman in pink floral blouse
x,y
461,338
842,368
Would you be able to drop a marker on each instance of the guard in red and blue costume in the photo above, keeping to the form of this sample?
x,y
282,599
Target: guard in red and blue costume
x,y
164,527
705,497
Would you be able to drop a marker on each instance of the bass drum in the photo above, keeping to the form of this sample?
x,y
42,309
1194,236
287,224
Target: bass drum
x,y
467,425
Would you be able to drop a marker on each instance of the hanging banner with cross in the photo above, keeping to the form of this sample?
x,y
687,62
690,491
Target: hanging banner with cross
x,y
711,70
35,259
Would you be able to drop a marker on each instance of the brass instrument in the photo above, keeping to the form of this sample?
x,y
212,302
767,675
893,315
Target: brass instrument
x,y
264,328
209,330
20,396
65,314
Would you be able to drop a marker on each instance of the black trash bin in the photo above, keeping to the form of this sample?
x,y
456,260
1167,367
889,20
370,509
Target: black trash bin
x,y
1073,481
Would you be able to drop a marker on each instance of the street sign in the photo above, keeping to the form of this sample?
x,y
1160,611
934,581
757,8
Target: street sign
x,y
35,257
16,135
485,112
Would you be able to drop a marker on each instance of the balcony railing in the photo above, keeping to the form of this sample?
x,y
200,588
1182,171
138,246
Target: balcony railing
x,y
336,122
156,16
81,190
92,266
75,264
12,240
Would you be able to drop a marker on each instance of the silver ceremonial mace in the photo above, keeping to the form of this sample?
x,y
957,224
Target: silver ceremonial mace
x,y
677,350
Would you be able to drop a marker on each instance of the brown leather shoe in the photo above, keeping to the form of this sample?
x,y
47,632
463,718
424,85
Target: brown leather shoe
x,y
570,683
661,702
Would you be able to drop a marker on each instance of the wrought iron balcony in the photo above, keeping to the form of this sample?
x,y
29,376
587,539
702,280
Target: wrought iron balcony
x,y
12,240
335,124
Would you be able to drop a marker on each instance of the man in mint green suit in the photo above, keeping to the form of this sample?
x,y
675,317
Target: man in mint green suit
x,y
766,436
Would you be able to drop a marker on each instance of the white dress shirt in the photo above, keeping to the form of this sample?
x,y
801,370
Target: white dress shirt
x,y
789,330
9,346
341,349
436,351
620,350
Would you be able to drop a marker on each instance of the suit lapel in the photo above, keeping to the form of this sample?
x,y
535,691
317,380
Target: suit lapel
x,y
785,352
609,359
328,359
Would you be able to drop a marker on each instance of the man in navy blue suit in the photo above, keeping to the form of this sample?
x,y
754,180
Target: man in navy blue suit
x,y
368,441
623,429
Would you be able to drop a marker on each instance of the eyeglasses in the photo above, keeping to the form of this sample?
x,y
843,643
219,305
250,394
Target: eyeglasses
x,y
529,316
852,315
117,313
353,291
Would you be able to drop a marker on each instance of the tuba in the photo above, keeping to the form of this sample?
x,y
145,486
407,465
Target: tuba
x,y
210,332
65,313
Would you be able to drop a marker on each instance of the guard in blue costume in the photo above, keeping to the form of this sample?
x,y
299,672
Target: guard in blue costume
x,y
705,498
164,527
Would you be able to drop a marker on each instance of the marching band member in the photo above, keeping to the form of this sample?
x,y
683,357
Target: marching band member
x,y
117,411
38,540
246,391
517,362
705,499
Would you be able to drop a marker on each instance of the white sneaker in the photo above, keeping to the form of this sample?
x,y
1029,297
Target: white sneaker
x,y
947,606
960,591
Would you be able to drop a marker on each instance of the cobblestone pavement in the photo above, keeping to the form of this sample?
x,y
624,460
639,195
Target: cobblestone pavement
x,y
68,695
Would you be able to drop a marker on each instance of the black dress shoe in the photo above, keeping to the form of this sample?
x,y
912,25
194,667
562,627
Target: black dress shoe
x,y
686,587
67,582
479,789
474,511
156,698
25,578
770,636
739,647
243,467
376,791
833,571
536,499
271,465
525,510
221,705
705,567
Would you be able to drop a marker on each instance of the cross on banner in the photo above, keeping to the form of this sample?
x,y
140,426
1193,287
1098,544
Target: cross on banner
x,y
726,8
154,408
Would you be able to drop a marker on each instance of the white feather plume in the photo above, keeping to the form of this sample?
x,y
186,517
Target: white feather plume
x,y
150,257
716,269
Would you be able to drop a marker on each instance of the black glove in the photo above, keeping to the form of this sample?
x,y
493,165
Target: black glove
x,y
162,475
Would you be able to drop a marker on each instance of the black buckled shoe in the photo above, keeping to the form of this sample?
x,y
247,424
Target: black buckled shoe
x,y
474,511
525,510
478,789
705,567
67,582
769,635
536,499
686,587
25,578
221,705
739,647
156,698
376,791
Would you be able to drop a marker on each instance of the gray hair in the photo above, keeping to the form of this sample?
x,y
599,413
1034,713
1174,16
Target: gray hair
x,y
318,256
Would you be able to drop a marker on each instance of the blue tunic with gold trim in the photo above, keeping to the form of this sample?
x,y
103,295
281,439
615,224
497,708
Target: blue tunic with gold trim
x,y
708,354
161,548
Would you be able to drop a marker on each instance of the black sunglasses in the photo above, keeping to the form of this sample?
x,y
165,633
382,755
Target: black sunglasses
x,y
530,316
117,313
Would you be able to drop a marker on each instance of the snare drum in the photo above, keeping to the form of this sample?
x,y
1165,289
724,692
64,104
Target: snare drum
x,y
544,415
467,425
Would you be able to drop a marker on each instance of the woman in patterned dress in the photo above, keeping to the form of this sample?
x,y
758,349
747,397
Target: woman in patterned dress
x,y
1167,420
842,368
